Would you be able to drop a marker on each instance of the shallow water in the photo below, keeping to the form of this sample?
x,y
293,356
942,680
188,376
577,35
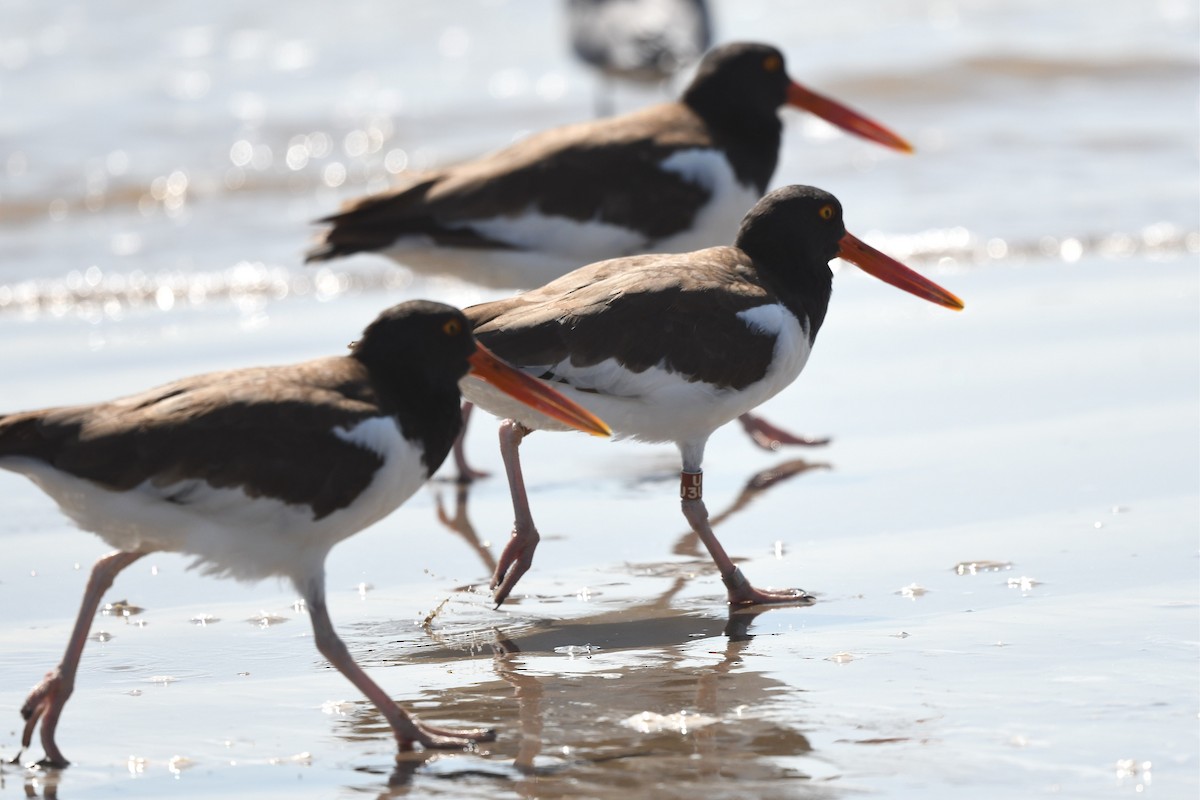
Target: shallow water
x,y
1047,435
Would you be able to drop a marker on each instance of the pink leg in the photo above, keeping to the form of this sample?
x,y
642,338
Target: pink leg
x,y
406,729
466,474
518,553
46,701
741,593
770,437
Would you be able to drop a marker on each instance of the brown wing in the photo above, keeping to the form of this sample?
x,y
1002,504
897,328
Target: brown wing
x,y
567,172
259,429
677,310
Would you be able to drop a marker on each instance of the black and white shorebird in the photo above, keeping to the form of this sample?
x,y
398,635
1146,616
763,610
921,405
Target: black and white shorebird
x,y
673,177
667,348
259,472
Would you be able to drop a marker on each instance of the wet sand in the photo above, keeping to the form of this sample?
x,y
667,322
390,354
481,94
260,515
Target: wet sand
x,y
1029,436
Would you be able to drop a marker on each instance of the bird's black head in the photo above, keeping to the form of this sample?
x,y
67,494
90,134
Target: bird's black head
x,y
792,234
415,353
801,225
745,80
425,341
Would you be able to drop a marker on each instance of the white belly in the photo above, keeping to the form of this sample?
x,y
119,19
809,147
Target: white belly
x,y
547,247
229,532
494,269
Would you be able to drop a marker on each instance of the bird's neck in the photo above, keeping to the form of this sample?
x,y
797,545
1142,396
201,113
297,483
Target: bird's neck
x,y
750,139
427,411
805,292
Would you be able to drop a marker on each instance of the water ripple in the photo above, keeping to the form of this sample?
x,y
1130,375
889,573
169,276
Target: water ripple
x,y
94,294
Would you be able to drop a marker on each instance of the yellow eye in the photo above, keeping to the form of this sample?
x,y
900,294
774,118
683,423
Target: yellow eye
x,y
826,212
772,63
452,327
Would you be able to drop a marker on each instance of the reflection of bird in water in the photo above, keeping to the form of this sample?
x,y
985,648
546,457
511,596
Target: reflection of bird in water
x,y
259,472
649,668
649,626
580,727
758,484
642,41
460,523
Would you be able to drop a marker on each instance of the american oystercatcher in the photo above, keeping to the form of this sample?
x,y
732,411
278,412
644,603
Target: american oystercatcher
x,y
667,348
674,177
259,472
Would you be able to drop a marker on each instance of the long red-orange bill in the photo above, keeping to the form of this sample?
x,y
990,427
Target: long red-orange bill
x,y
533,393
889,270
845,118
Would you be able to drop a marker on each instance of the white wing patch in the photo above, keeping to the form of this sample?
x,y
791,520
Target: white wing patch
x,y
766,320
717,221
698,166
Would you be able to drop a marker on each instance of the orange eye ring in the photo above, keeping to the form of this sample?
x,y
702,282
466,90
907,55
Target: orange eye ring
x,y
452,327
826,211
772,63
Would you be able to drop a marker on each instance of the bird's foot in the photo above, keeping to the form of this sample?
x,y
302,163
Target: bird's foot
x,y
434,738
741,593
43,702
37,703
514,562
772,437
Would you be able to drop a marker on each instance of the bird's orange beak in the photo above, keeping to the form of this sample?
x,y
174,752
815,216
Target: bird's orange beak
x,y
533,393
889,270
845,118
